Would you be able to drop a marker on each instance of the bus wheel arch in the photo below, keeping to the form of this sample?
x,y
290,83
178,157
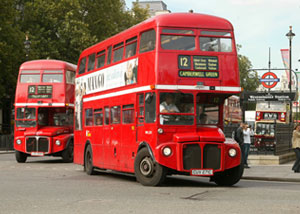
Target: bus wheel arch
x,y
147,171
88,159
146,145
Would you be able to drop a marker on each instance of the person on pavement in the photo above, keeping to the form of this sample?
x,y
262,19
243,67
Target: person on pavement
x,y
247,131
239,137
296,147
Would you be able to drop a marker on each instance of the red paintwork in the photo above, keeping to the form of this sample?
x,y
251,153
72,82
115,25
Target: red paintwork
x,y
62,93
115,146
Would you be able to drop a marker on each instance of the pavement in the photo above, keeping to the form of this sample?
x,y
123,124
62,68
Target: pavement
x,y
282,172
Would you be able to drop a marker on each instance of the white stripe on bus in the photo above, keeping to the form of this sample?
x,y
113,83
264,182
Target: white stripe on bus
x,y
166,87
45,104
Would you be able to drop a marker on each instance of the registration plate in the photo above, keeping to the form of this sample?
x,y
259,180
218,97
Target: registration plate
x,y
199,172
37,153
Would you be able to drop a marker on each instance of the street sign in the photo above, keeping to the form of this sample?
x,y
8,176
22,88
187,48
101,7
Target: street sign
x,y
268,96
269,80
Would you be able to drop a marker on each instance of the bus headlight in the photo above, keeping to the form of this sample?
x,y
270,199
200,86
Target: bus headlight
x,y
19,142
232,152
160,131
167,151
57,143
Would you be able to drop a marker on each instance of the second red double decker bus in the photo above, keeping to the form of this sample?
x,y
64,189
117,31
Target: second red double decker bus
x,y
44,109
149,100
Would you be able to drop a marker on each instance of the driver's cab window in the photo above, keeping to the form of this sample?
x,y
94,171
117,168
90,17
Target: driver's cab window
x,y
207,110
176,108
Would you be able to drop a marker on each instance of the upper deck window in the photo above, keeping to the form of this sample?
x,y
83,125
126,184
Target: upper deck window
x,y
147,41
177,31
82,66
100,59
131,47
53,76
215,41
118,52
172,42
91,62
215,33
30,78
109,50
30,72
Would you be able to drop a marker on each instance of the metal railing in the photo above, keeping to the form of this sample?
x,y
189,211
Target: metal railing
x,y
280,144
6,142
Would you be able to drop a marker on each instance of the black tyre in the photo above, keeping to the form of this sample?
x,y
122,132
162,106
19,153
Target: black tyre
x,y
88,161
21,157
67,154
148,172
229,177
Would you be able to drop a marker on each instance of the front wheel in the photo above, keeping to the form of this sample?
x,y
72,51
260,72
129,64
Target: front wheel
x,y
21,157
67,154
88,161
229,177
148,172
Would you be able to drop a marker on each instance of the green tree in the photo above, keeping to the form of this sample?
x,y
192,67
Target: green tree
x,y
56,29
109,17
11,49
248,78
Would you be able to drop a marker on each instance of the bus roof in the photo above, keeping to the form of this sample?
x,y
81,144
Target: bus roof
x,y
46,64
191,20
179,20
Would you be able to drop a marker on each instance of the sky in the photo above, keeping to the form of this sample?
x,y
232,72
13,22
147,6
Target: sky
x,y
258,25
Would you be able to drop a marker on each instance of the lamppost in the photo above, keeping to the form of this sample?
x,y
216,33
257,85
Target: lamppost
x,y
27,44
290,36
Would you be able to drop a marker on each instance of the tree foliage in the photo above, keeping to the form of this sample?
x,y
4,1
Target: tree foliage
x,y
248,78
11,48
57,29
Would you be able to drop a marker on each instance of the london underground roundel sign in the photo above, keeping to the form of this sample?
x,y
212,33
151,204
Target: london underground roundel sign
x,y
269,80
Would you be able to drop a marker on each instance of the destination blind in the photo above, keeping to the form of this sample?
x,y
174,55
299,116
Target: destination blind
x,y
40,91
203,66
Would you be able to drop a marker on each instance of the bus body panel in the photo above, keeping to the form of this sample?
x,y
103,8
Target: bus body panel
x,y
46,92
116,145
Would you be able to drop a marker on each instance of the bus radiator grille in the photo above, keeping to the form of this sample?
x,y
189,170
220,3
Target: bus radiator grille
x,y
191,156
34,144
211,156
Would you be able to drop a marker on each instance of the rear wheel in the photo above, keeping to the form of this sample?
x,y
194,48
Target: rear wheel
x,y
148,172
21,157
67,154
229,177
88,161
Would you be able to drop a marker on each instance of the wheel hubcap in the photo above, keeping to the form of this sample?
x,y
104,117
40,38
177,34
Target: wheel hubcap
x,y
146,167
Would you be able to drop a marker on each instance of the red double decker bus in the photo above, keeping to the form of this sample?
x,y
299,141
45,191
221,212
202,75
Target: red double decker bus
x,y
44,110
149,100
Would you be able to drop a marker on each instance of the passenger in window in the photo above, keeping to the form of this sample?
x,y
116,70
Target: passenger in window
x,y
168,105
98,121
116,119
150,45
129,54
203,118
